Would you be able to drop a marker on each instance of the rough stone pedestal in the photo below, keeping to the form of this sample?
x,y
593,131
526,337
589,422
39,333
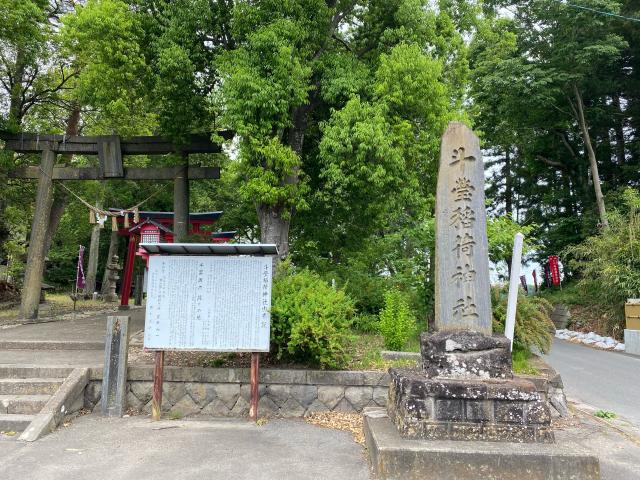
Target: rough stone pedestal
x,y
465,355
466,391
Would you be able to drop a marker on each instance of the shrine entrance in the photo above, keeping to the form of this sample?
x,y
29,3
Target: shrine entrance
x,y
110,150
154,227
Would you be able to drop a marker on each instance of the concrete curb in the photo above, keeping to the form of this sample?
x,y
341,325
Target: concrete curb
x,y
67,399
50,345
393,355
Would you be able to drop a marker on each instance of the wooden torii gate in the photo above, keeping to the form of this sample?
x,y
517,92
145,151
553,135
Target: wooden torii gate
x,y
110,149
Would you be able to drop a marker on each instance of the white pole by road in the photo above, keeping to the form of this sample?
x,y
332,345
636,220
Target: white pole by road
x,y
514,280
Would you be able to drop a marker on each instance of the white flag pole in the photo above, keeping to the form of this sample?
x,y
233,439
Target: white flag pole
x,y
514,280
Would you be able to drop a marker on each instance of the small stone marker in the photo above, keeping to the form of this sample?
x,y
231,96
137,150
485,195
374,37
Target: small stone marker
x,y
113,267
114,378
462,297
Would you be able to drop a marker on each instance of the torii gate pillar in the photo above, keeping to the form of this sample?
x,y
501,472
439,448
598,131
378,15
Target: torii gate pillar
x,y
37,241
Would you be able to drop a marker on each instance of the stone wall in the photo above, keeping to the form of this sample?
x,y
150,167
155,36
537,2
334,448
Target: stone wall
x,y
225,392
285,393
550,387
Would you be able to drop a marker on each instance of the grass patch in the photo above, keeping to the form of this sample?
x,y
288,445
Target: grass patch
x,y
607,415
175,415
58,303
413,345
9,312
521,358
366,354
63,299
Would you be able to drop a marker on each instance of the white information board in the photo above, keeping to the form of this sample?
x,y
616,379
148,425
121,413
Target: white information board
x,y
212,303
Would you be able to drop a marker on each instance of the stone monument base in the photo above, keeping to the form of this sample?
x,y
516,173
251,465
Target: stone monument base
x,y
395,457
466,391
497,410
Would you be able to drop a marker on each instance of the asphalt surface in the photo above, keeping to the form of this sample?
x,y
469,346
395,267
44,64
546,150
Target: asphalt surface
x,y
619,453
137,448
606,380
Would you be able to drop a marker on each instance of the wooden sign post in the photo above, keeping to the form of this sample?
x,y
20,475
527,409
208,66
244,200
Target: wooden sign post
x,y
158,375
253,405
208,297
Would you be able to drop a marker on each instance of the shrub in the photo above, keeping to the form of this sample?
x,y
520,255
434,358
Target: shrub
x,y
367,323
310,320
533,325
397,324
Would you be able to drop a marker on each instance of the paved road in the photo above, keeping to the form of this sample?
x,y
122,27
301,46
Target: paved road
x,y
136,448
606,380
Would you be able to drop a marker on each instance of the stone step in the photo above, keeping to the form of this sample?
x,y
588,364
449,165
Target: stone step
x,y
23,404
51,345
29,386
29,371
14,422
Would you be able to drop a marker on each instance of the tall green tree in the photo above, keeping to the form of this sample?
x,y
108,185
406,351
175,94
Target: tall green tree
x,y
326,99
548,97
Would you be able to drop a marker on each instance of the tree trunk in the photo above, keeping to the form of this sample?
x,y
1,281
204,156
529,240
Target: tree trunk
x,y
508,187
60,196
274,229
15,121
15,100
508,193
592,157
57,210
113,250
181,202
276,219
618,128
39,227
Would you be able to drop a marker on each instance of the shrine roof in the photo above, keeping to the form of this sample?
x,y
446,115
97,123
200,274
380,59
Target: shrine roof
x,y
224,234
210,248
149,221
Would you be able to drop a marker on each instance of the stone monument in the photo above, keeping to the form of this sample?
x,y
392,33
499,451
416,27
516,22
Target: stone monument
x,y
113,267
465,389
461,413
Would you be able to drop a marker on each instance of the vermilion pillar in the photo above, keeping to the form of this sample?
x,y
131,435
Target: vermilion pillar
x,y
127,279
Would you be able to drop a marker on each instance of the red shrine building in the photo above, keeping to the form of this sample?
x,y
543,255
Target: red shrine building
x,y
155,227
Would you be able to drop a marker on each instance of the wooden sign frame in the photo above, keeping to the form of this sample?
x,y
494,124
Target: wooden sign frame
x,y
214,250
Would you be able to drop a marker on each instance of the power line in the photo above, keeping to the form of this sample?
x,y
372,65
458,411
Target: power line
x,y
599,12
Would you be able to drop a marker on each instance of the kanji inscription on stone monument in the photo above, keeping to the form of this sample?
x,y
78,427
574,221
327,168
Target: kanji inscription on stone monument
x,y
462,266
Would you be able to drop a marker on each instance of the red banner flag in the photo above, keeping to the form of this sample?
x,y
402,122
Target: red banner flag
x,y
554,270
